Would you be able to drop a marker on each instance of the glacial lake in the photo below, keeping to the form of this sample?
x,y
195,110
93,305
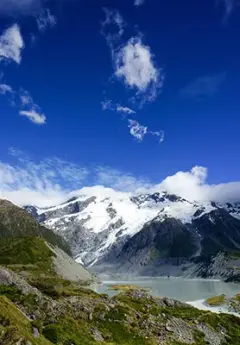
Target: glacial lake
x,y
185,290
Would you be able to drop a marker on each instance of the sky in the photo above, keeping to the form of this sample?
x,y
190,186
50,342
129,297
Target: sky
x,y
135,95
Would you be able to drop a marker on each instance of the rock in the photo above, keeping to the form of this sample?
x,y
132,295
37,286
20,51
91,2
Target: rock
x,y
36,333
97,334
8,277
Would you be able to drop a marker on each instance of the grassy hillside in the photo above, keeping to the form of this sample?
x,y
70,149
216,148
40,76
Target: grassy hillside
x,y
16,222
82,317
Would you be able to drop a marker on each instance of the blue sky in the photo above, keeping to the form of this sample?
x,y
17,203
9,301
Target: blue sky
x,y
141,91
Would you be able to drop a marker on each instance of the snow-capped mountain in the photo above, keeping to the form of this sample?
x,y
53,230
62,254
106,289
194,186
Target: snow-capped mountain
x,y
100,222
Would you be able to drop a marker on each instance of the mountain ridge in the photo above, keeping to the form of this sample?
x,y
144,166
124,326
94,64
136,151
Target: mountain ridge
x,y
99,225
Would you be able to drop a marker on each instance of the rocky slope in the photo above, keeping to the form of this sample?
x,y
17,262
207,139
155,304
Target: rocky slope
x,y
146,234
39,306
43,312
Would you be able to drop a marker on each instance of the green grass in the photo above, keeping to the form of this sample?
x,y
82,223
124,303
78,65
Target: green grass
x,y
216,301
57,287
16,223
15,326
30,254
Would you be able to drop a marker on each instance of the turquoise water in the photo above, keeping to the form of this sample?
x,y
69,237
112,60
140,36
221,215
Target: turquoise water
x,y
185,290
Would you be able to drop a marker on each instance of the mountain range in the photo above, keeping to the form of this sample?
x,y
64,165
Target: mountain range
x,y
147,234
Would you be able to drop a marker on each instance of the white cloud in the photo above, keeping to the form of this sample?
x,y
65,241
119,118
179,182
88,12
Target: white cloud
x,y
139,132
11,44
125,110
136,130
135,65
139,2
4,88
24,101
109,105
46,20
41,183
53,180
192,185
34,116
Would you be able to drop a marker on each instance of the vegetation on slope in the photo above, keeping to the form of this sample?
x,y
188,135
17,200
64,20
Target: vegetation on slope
x,y
38,307
217,301
16,222
28,255
79,316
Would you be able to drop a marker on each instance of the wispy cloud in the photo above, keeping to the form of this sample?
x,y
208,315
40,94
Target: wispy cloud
x,y
45,182
11,44
139,132
4,89
229,6
203,87
46,20
120,181
125,110
53,180
30,109
139,2
33,116
136,130
109,105
112,27
23,100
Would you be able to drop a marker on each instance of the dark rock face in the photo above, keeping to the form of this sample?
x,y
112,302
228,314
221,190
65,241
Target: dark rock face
x,y
173,248
219,231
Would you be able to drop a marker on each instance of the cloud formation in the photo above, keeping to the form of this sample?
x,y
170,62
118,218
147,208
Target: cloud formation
x,y
41,183
11,44
193,185
109,105
136,130
4,89
51,181
133,61
125,110
112,28
24,101
33,116
46,20
202,87
134,64
139,132
30,109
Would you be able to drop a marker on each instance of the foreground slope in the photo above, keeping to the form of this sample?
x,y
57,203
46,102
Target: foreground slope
x,y
30,249
61,312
